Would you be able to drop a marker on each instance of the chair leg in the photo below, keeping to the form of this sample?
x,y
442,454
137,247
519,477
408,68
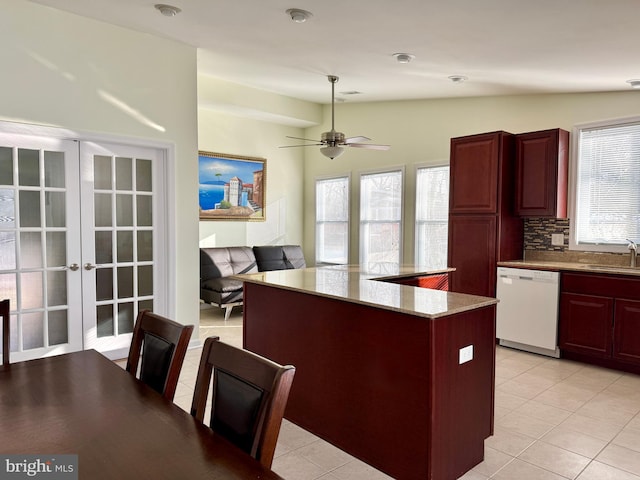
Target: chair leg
x,y
227,312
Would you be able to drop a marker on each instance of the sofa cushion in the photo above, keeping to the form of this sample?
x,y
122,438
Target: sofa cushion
x,y
222,285
279,257
293,256
219,262
270,257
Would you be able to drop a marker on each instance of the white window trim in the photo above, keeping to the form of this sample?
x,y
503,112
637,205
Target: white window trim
x,y
315,209
358,196
573,172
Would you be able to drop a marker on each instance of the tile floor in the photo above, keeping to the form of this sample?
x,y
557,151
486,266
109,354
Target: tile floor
x,y
554,419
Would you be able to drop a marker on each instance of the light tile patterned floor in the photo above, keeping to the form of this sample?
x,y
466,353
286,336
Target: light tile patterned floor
x,y
554,420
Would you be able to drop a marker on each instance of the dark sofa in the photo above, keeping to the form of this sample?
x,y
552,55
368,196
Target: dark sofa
x,y
217,264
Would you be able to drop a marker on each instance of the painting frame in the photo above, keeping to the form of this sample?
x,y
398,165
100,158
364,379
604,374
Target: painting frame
x,y
222,192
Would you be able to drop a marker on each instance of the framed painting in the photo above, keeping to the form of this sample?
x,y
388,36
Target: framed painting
x,y
231,187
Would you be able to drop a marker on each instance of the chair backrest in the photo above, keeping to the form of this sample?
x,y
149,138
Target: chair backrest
x,y
248,400
5,308
162,343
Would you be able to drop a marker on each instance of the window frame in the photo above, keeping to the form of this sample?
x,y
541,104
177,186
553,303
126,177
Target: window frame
x,y
573,185
346,176
416,246
393,169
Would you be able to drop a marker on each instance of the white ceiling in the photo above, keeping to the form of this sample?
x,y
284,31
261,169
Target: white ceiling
x,y
503,46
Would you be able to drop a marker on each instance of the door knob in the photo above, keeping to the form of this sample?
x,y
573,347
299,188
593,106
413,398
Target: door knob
x,y
73,267
89,266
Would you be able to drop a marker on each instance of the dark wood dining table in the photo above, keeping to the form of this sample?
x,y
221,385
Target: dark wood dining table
x,y
82,403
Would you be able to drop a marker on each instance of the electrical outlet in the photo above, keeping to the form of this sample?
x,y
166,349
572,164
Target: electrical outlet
x,y
466,354
557,239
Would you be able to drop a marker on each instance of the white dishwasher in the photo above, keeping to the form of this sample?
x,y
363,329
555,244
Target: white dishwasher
x,y
527,314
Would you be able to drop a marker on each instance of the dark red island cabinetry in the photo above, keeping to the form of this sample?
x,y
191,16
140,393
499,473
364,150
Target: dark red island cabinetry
x,y
376,377
542,160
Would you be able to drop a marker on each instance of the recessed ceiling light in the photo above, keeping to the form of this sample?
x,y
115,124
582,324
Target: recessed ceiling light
x,y
168,10
635,83
298,15
457,78
403,57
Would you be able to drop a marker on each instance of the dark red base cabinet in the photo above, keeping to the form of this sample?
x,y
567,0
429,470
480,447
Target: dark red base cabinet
x,y
586,324
626,331
434,282
600,319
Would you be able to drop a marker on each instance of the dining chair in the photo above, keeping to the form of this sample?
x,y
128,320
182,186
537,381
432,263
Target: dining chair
x,y
5,308
249,396
162,344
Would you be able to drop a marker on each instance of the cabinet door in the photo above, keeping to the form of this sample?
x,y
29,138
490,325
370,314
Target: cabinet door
x,y
586,324
541,173
626,331
472,252
473,173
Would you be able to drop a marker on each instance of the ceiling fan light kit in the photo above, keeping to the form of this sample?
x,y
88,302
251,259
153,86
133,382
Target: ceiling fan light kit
x,y
333,143
332,152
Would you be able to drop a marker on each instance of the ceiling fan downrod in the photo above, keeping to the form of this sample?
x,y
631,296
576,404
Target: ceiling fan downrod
x,y
333,138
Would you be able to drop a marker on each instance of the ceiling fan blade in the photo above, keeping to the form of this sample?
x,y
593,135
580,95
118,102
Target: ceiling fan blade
x,y
302,145
305,139
369,146
356,139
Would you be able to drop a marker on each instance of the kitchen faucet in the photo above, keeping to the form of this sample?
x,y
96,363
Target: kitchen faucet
x,y
633,250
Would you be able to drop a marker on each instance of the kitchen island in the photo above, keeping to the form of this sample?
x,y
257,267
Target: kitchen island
x,y
398,376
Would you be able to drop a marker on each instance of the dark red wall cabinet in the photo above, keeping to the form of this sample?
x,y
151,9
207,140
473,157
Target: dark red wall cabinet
x,y
542,160
483,228
600,319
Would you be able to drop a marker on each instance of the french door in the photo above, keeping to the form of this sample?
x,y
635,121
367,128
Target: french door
x,y
79,234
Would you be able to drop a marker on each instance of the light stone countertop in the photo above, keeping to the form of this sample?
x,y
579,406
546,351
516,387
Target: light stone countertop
x,y
557,266
368,287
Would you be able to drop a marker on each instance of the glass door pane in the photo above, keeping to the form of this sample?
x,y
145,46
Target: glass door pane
x,y
39,243
120,264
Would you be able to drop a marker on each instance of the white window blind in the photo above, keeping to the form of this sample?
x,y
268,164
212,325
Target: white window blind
x,y
332,220
432,210
380,218
608,185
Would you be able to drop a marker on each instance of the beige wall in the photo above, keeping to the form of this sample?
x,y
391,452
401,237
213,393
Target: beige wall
x,y
85,76
223,133
229,123
419,133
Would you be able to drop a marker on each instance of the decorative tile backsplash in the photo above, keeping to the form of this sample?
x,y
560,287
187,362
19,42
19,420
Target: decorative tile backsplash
x,y
538,231
537,244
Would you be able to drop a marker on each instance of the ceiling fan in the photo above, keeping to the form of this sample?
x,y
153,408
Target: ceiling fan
x,y
333,143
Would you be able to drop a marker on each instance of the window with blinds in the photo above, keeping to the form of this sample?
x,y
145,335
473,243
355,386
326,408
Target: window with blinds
x,y
380,218
332,220
607,187
432,210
